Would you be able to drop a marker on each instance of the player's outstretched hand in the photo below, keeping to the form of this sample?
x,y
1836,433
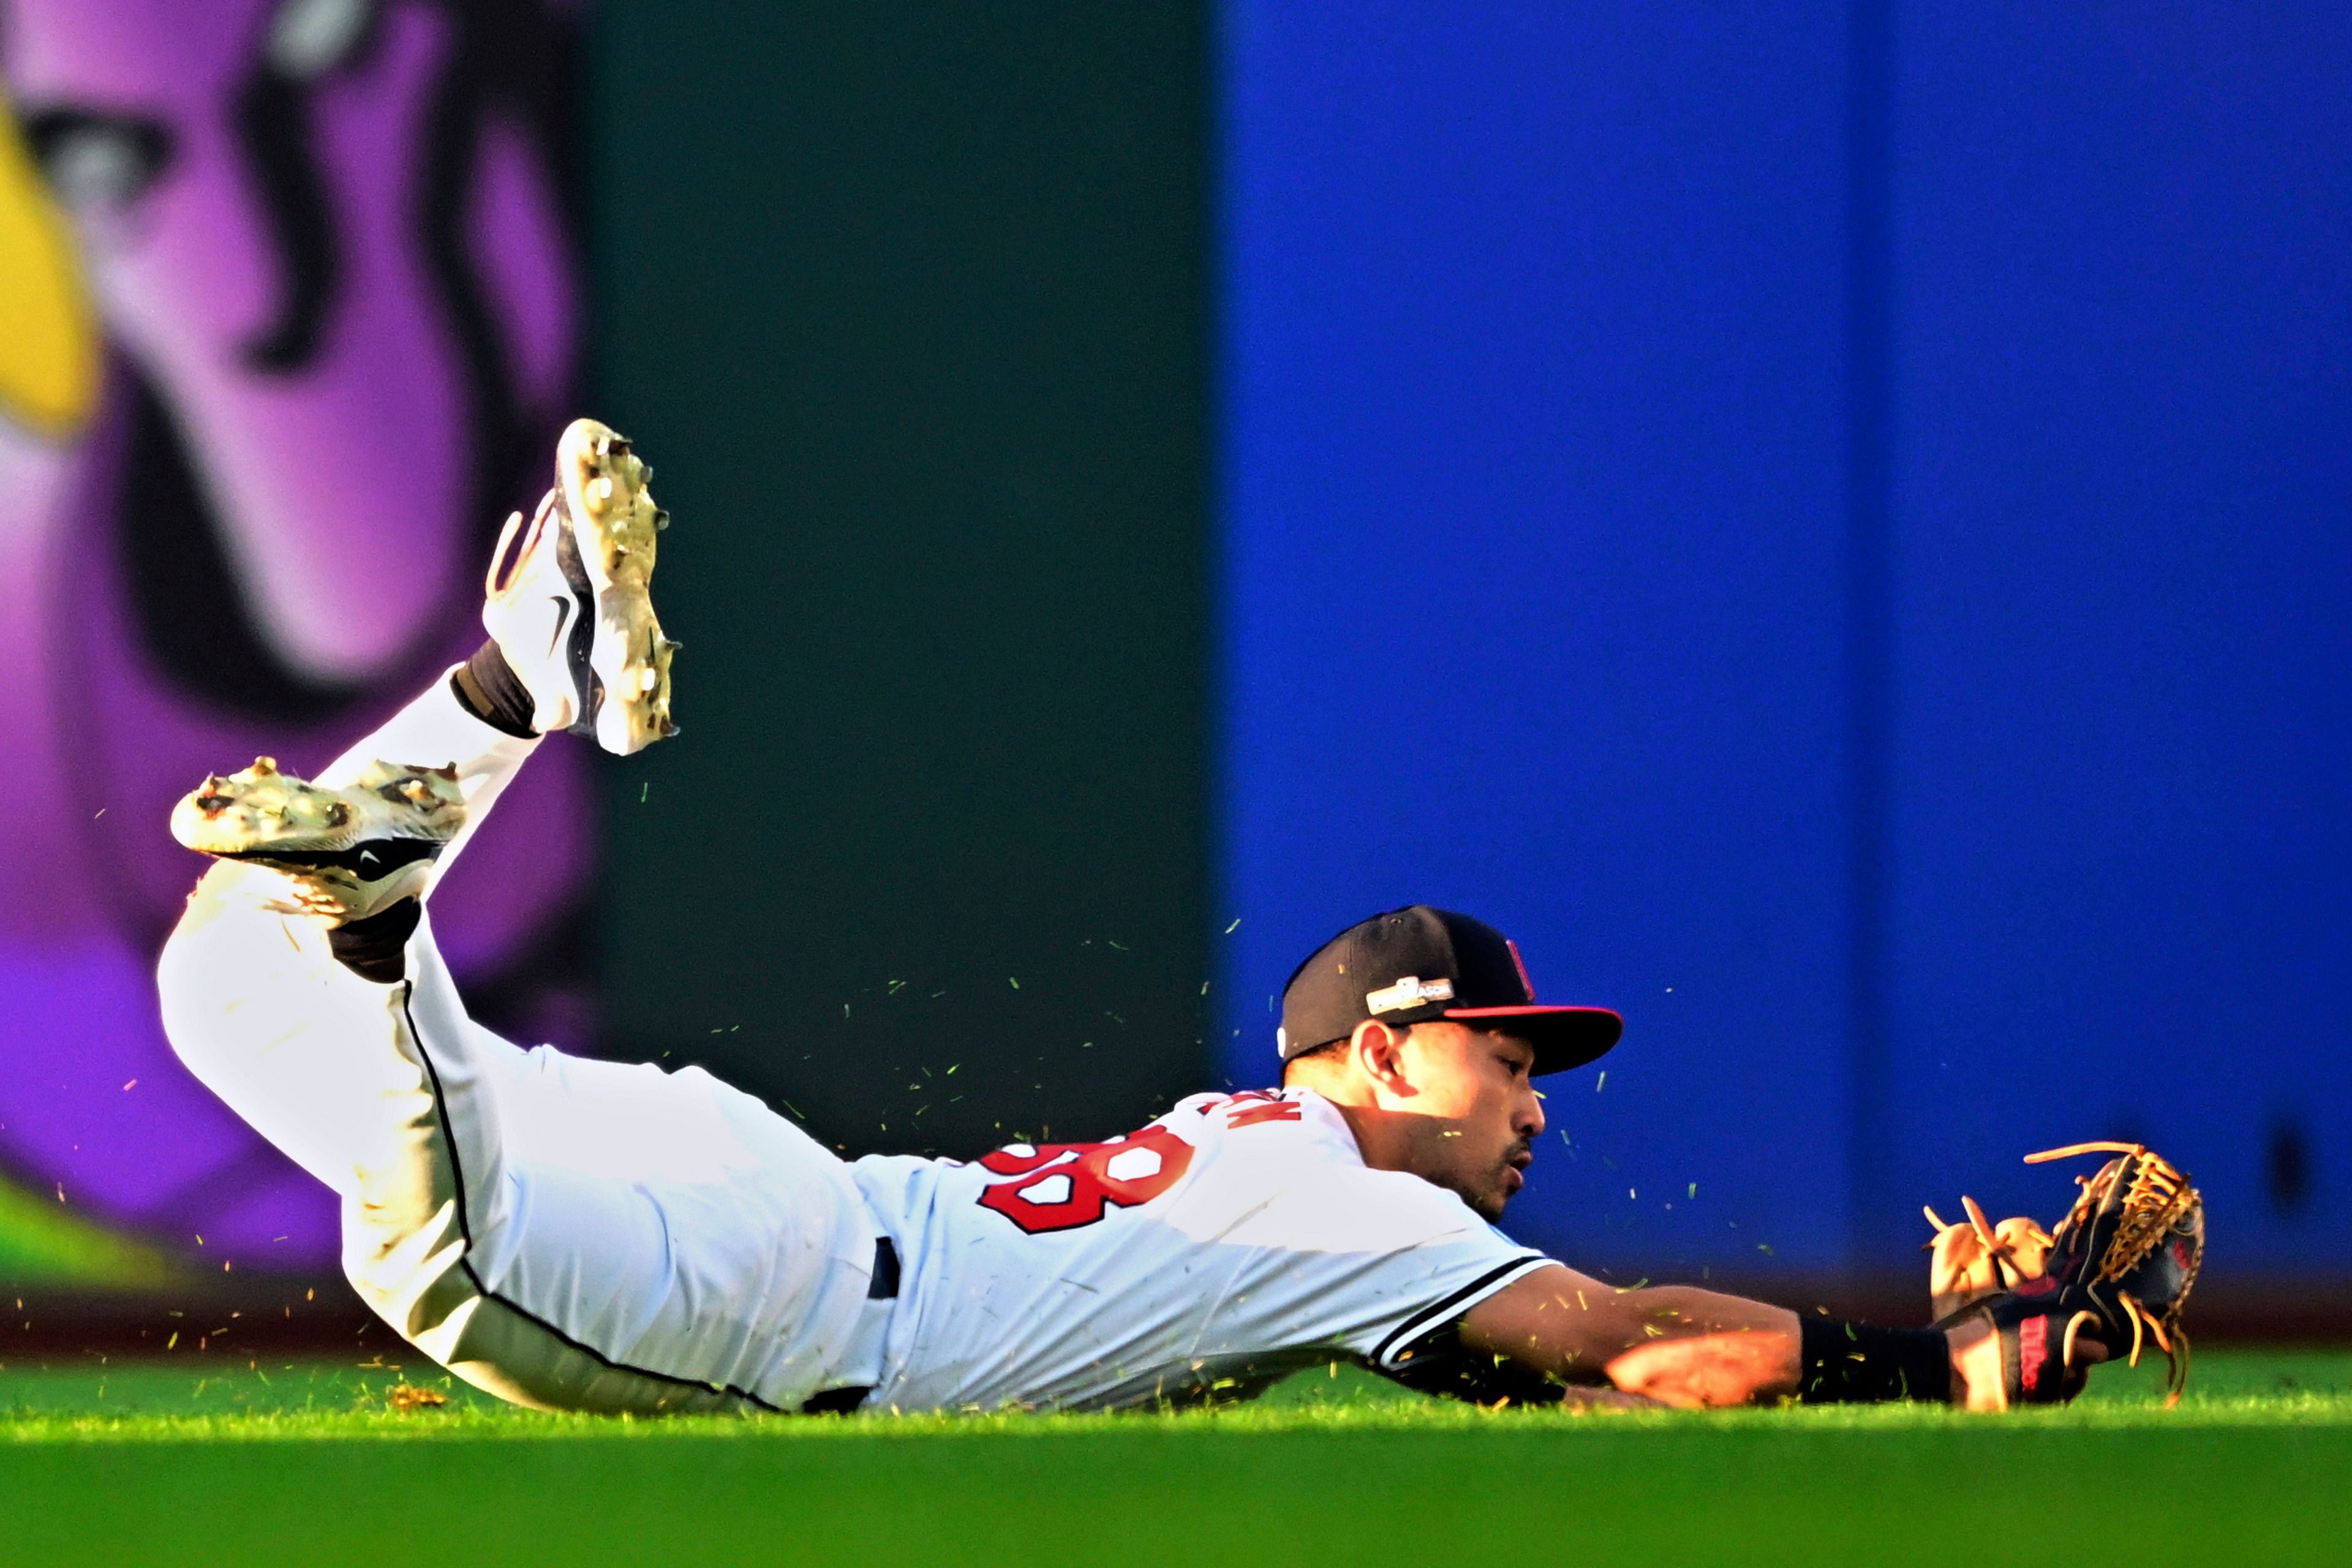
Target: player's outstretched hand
x,y
1976,1258
1710,1370
2112,1278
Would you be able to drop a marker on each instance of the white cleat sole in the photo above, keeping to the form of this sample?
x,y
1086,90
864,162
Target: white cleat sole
x,y
342,853
613,527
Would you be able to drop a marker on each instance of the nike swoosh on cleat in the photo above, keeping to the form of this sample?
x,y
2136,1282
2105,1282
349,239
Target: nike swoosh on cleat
x,y
562,618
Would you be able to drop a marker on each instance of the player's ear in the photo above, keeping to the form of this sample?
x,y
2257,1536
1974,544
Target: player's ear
x,y
1378,1051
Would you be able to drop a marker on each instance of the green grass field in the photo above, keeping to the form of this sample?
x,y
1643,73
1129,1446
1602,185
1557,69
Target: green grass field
x,y
200,1461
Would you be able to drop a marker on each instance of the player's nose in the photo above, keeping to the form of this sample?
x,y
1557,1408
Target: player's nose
x,y
1531,1119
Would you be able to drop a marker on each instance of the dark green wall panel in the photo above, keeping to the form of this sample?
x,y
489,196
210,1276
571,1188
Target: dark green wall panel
x,y
908,306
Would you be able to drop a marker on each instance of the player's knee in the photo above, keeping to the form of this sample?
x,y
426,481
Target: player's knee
x,y
229,950
190,985
410,1272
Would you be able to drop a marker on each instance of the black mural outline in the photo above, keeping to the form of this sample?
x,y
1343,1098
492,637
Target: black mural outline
x,y
515,59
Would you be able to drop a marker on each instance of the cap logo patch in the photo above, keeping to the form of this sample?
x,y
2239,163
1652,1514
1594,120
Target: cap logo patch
x,y
1520,964
1408,992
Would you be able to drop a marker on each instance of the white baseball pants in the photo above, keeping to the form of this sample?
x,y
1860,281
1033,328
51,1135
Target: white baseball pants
x,y
564,1232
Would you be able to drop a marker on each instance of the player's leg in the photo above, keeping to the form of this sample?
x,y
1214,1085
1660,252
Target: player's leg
x,y
671,1224
360,846
568,1234
560,1232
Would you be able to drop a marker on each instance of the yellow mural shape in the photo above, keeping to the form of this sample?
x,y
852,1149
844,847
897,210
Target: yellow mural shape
x,y
49,341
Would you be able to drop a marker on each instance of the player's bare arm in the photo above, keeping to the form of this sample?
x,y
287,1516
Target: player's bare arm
x,y
1457,1106
1682,1346
1579,1330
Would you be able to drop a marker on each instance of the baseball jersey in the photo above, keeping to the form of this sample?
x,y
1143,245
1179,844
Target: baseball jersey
x,y
1232,1241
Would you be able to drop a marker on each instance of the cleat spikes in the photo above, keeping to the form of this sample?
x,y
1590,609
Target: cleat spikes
x,y
598,665
338,853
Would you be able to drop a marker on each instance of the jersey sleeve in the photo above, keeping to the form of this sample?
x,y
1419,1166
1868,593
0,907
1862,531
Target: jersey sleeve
x,y
1374,1263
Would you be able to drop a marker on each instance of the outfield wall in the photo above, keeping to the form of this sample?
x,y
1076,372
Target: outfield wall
x,y
1833,527
910,307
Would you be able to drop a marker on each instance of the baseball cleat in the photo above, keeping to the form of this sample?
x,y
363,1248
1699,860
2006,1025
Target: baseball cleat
x,y
569,601
344,853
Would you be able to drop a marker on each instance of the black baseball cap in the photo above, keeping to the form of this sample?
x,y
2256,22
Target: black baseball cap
x,y
1417,964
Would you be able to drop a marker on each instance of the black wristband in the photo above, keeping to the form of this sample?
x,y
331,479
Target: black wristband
x,y
1846,1363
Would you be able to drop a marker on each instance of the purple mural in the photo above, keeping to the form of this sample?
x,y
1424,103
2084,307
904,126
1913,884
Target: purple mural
x,y
328,256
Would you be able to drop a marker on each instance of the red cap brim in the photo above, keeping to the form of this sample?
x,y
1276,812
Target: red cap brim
x,y
1563,1037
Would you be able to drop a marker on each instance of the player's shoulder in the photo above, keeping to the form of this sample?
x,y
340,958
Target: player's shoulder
x,y
1296,1121
1294,1154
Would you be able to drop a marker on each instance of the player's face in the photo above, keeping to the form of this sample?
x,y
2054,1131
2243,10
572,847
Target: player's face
x,y
1482,1112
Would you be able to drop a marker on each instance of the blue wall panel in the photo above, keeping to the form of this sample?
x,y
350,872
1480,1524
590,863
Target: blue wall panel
x,y
2123,543
1836,532
1534,534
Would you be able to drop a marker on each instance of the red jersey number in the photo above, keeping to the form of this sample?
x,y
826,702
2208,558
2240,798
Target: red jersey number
x,y
1065,1186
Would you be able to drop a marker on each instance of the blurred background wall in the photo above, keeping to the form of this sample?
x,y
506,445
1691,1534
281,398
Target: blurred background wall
x,y
910,304
292,298
1833,526
1830,526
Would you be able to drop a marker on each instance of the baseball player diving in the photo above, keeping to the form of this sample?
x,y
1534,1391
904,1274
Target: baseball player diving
x,y
594,1236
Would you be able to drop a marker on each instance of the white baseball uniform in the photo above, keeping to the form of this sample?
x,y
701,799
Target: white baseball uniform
x,y
588,1234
